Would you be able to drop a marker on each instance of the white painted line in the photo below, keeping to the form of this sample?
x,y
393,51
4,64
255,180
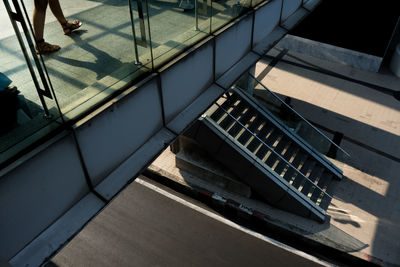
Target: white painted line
x,y
219,198
230,223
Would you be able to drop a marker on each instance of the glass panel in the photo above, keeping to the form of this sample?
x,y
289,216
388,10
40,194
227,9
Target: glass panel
x,y
223,11
97,59
281,110
25,114
175,25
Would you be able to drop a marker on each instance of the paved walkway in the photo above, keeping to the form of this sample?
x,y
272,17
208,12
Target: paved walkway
x,y
151,226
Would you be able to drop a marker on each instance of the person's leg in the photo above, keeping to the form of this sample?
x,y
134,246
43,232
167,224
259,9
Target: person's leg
x,y
58,13
39,16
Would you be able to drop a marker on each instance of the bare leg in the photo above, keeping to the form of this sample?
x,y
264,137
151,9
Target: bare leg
x,y
57,11
39,16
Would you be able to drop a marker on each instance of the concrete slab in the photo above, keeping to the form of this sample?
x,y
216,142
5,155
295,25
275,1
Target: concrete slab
x,y
362,113
326,233
365,204
149,226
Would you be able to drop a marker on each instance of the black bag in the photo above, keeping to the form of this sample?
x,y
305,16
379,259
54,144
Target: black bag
x,y
8,108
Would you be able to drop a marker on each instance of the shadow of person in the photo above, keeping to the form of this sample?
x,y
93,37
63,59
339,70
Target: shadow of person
x,y
103,65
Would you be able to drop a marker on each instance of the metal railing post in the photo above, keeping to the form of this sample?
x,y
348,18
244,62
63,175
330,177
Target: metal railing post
x,y
196,14
137,61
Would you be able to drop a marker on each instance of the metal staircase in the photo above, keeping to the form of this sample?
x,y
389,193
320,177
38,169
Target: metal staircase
x,y
276,163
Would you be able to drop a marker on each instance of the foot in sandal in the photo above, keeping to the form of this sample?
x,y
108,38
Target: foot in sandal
x,y
68,27
43,47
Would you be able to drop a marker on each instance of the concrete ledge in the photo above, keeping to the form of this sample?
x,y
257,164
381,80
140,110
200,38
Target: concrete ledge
x,y
295,18
268,42
332,53
229,77
311,4
134,164
194,110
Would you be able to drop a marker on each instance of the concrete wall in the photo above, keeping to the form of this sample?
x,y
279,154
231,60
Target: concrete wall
x,y
119,129
238,39
265,20
36,193
100,154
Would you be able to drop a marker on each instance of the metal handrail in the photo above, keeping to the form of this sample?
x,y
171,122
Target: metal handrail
x,y
305,120
271,149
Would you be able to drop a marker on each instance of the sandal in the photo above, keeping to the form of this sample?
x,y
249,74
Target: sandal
x,y
43,47
69,27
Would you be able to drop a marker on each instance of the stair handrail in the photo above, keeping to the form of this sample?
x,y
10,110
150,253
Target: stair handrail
x,y
298,114
272,150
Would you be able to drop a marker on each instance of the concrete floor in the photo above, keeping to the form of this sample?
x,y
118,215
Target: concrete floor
x,y
366,204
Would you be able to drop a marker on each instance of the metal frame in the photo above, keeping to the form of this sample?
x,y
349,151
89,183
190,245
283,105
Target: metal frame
x,y
307,147
137,61
18,16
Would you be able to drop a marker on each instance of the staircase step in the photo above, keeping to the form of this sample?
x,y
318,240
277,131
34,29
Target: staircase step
x,y
283,144
245,121
271,142
322,183
315,175
225,104
240,114
291,174
254,144
262,149
226,121
287,154
254,124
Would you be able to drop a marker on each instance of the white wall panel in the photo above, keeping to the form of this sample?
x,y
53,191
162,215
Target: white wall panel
x,y
266,18
116,132
36,193
186,79
231,45
289,7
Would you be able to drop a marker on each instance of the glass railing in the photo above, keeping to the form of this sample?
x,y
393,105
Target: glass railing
x,y
28,107
223,11
119,42
280,108
175,26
